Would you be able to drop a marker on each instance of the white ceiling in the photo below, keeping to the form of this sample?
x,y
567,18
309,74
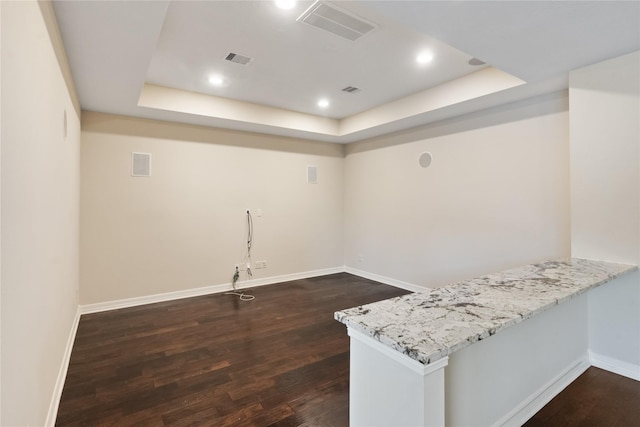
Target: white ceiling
x,y
295,64
153,59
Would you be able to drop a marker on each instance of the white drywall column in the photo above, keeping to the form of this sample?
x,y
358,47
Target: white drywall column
x,y
388,388
605,201
0,216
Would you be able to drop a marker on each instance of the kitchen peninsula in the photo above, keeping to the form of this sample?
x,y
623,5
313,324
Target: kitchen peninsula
x,y
485,351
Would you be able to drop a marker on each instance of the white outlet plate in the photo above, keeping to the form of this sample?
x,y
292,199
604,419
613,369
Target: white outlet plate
x,y
241,267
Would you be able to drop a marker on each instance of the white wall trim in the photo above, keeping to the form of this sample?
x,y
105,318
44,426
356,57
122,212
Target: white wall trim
x,y
386,280
616,366
62,373
536,401
395,355
205,290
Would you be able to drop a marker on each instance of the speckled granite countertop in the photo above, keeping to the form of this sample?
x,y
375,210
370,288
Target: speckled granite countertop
x,y
430,325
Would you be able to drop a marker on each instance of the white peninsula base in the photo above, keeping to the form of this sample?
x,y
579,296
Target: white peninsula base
x,y
471,354
503,380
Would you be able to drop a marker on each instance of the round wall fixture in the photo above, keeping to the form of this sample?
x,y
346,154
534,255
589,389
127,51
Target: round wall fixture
x,y
425,159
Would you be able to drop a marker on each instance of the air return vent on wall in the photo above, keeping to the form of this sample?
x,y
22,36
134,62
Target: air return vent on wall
x,y
335,20
312,174
140,164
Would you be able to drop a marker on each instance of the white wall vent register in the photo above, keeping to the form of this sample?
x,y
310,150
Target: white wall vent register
x,y
312,174
140,164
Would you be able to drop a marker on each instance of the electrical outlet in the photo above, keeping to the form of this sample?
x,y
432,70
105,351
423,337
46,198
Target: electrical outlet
x,y
241,267
260,264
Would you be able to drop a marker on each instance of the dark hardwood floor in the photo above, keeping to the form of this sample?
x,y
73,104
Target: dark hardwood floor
x,y
595,398
279,360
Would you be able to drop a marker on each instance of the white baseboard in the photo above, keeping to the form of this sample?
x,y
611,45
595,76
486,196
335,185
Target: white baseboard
x,y
206,290
616,366
386,280
52,414
536,401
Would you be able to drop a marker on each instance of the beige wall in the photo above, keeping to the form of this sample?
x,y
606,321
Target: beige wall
x,y
39,217
184,227
605,200
605,148
495,196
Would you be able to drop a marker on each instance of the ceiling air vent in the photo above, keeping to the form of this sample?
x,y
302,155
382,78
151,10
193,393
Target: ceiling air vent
x,y
351,89
339,22
475,62
238,59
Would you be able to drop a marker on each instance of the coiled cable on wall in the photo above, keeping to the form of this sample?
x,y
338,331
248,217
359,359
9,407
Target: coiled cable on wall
x,y
243,296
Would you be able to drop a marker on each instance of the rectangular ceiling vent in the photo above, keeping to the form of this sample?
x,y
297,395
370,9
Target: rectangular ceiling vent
x,y
238,59
337,21
351,89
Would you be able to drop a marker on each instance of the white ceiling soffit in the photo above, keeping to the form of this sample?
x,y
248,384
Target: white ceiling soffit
x,y
479,84
135,58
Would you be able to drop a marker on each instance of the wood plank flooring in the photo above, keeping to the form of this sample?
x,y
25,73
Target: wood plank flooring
x,y
595,398
279,360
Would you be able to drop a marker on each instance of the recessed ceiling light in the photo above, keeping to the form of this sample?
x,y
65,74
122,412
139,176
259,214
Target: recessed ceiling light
x,y
285,4
323,103
424,57
216,80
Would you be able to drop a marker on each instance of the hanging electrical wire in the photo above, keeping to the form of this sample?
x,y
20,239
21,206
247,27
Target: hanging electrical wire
x,y
249,243
243,296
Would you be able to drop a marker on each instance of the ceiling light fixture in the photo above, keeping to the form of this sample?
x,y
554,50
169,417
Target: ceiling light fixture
x,y
424,57
285,4
323,103
216,80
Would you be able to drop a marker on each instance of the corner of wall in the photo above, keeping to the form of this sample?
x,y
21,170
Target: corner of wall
x,y
52,413
0,217
50,20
